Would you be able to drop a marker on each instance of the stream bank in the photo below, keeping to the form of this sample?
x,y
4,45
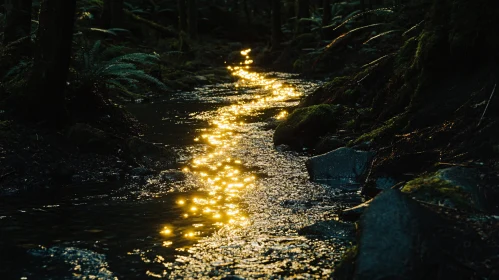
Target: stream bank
x,y
422,109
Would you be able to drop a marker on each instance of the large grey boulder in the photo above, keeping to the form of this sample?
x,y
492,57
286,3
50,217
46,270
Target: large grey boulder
x,y
396,239
341,167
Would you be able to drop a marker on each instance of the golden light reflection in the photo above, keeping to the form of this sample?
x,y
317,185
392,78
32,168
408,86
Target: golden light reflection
x,y
166,231
223,176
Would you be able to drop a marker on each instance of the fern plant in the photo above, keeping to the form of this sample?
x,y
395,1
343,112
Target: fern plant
x,y
122,73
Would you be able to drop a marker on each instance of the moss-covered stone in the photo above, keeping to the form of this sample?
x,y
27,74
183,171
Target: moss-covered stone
x,y
436,190
389,127
443,187
344,270
305,126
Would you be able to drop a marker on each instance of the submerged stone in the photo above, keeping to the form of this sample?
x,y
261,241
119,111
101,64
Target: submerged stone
x,y
341,167
329,229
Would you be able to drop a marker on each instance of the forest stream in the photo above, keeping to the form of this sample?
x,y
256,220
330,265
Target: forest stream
x,y
232,205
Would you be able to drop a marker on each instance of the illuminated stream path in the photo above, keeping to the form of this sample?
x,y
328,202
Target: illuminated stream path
x,y
236,210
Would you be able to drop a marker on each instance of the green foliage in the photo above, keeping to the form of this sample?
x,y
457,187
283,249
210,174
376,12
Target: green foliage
x,y
304,126
389,127
88,8
436,190
121,73
17,77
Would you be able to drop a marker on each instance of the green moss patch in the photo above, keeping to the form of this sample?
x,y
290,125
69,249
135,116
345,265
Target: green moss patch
x,y
344,270
388,128
434,189
305,126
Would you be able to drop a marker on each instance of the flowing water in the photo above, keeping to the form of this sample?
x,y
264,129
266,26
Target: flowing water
x,y
233,207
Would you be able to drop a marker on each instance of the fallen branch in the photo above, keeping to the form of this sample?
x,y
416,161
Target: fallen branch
x,y
486,107
163,29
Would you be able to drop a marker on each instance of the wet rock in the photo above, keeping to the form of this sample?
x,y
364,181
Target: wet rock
x,y
201,79
233,277
283,148
171,176
147,152
455,187
385,183
340,167
396,239
305,126
91,139
329,229
329,143
86,263
141,171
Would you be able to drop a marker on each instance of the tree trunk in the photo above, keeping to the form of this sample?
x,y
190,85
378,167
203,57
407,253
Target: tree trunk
x,y
235,6
276,23
51,61
117,14
17,20
302,11
192,17
105,17
112,14
182,15
326,12
247,12
302,8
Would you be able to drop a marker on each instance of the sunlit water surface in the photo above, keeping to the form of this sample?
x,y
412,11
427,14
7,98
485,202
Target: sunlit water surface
x,y
233,207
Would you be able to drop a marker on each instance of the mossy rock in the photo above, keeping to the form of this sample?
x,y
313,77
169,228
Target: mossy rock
x,y
344,270
451,187
305,126
139,148
383,131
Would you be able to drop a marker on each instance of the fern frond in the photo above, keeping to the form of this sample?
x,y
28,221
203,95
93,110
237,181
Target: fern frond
x,y
352,31
357,15
381,35
412,28
22,66
141,75
123,89
142,58
95,49
376,61
116,69
107,31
